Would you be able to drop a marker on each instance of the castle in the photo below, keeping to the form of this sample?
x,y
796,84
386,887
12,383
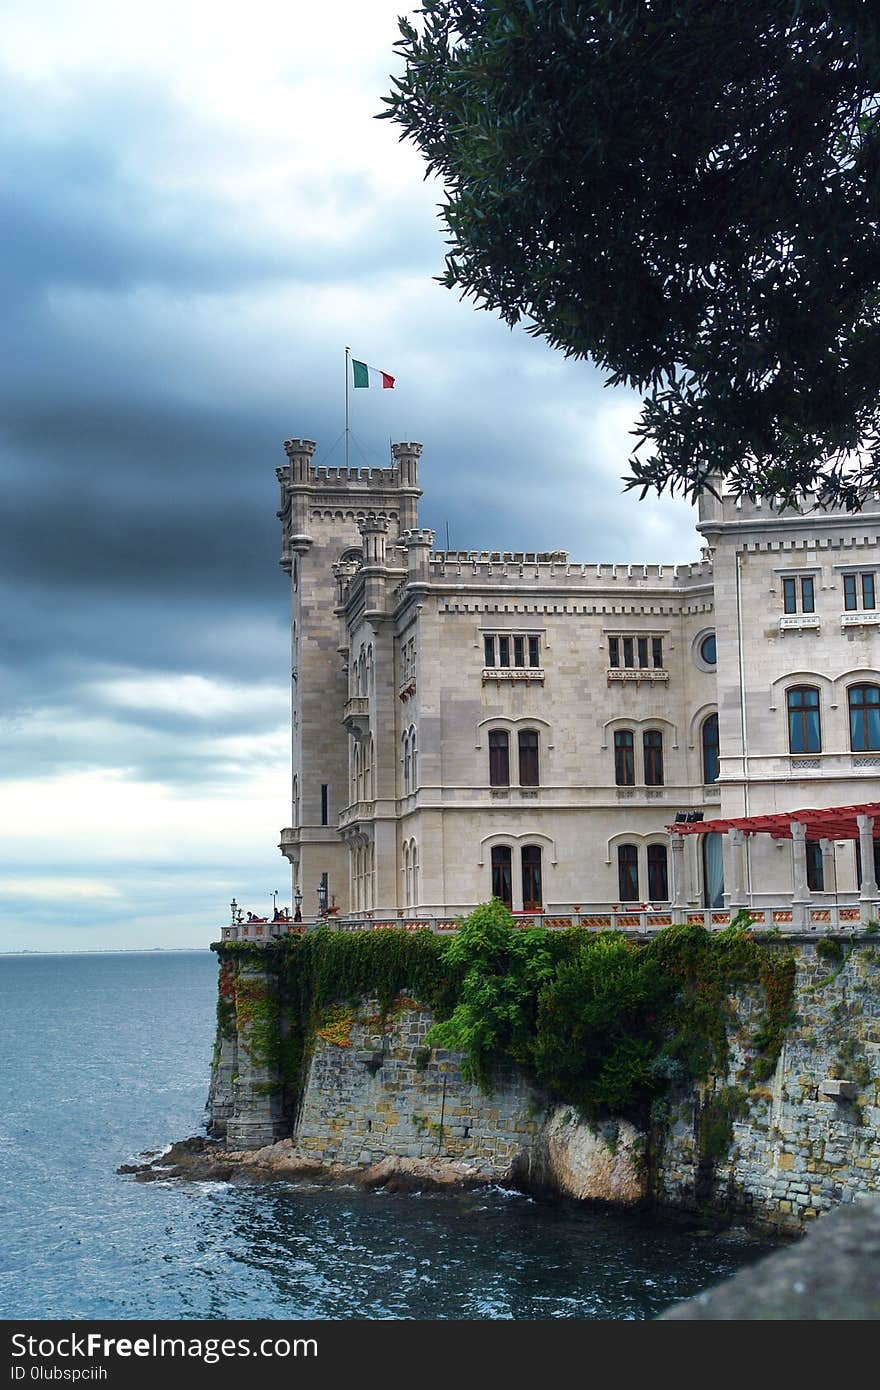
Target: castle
x,y
470,724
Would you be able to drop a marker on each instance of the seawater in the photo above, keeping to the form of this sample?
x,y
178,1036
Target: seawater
x,y
105,1056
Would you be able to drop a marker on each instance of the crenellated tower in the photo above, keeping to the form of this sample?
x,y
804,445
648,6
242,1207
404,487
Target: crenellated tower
x,y
333,521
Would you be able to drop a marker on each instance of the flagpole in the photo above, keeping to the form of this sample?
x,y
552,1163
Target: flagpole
x,y
347,351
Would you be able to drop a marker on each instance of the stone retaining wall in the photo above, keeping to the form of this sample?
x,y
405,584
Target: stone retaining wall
x,y
800,1142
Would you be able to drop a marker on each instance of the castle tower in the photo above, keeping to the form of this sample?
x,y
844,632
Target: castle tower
x,y
333,521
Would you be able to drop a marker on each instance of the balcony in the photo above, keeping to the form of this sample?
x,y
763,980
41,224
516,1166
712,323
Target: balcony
x,y
357,811
504,675
860,618
356,716
796,622
636,674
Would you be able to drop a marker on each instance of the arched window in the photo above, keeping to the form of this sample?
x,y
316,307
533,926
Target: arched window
x,y
628,873
358,773
414,863
407,875
501,874
658,877
414,756
528,757
406,763
864,718
624,760
709,745
653,749
531,878
368,767
499,758
296,801
804,730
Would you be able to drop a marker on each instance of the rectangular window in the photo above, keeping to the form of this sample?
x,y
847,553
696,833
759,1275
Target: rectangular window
x,y
657,652
531,878
658,878
503,651
868,591
501,876
519,651
628,651
815,867
324,808
499,758
624,762
628,873
808,594
488,651
643,651
613,651
533,652
653,747
850,592
528,758
789,595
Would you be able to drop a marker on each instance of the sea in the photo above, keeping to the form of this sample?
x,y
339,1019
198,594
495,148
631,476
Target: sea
x,y
107,1056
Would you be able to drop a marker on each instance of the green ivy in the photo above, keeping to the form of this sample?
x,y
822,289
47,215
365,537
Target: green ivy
x,y
596,1018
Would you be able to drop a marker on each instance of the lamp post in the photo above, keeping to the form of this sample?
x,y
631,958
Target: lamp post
x,y
297,902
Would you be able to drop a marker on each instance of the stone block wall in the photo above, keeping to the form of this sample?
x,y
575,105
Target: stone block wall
x,y
796,1149
384,1093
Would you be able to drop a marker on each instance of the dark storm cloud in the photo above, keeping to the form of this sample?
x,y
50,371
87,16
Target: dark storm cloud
x,y
162,335
88,205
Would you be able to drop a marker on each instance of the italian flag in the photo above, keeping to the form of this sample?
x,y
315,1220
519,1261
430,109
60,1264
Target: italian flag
x,y
371,376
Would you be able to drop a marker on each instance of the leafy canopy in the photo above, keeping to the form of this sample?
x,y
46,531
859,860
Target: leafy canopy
x,y
686,192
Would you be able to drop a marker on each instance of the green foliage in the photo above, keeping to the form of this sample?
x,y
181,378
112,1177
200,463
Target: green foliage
x,y
501,969
687,194
715,1122
325,967
258,1017
829,948
598,1025
597,1019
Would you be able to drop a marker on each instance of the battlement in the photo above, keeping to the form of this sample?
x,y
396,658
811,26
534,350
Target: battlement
x,y
554,567
728,510
382,477
301,469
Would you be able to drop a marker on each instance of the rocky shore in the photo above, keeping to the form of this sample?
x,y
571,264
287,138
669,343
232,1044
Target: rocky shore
x,y
198,1159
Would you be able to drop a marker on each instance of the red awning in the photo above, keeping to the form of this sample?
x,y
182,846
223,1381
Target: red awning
x,y
828,823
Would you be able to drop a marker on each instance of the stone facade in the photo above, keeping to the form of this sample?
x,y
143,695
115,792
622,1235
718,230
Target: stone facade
x,y
470,722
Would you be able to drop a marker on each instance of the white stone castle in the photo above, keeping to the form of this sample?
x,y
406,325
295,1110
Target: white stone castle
x,y
470,724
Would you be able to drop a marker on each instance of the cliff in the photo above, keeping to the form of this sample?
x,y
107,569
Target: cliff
x,y
773,1134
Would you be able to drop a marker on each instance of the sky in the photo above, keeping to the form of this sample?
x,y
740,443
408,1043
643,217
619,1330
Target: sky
x,y
200,212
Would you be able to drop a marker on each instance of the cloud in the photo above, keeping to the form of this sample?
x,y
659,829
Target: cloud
x,y
201,212
57,888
